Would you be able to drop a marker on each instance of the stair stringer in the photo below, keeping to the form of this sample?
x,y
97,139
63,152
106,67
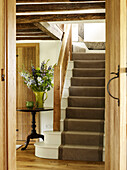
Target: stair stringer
x,y
65,95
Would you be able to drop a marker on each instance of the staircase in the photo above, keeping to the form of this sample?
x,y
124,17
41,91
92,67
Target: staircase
x,y
82,138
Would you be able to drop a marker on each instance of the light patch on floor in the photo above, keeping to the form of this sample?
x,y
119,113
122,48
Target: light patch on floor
x,y
18,146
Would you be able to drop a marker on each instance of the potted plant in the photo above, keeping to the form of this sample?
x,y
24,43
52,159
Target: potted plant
x,y
40,80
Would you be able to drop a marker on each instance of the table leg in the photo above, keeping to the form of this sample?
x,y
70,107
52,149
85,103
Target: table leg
x,y
33,132
27,142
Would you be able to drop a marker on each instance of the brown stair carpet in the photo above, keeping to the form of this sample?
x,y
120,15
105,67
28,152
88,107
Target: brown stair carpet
x,y
82,138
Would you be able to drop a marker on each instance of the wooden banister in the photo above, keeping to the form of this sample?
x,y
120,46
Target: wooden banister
x,y
59,74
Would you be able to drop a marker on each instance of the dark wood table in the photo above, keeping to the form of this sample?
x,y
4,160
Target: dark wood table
x,y
33,132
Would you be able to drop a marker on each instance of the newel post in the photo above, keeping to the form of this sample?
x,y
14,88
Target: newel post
x,y
57,99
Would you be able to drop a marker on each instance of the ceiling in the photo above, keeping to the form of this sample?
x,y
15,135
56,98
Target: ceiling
x,y
34,17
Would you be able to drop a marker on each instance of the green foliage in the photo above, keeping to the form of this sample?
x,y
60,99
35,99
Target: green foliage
x,y
39,79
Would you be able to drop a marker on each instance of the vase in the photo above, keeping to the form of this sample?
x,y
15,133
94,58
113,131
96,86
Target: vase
x,y
40,99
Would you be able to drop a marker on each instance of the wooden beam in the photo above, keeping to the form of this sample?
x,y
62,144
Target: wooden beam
x,y
34,38
50,29
25,26
30,34
29,1
59,7
59,17
29,30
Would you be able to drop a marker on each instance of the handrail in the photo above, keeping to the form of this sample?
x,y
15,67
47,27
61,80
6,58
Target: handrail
x,y
59,74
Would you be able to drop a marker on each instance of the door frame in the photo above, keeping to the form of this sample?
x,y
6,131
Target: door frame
x,y
115,151
8,85
115,116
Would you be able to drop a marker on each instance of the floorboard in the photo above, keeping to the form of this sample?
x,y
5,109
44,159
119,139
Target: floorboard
x,y
26,160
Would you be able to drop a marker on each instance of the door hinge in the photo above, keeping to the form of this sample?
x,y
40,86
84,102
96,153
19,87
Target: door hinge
x,y
2,75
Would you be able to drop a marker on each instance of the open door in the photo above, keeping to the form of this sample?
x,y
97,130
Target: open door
x,y
115,121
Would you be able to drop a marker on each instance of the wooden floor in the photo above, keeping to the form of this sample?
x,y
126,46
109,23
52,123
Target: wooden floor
x,y
26,160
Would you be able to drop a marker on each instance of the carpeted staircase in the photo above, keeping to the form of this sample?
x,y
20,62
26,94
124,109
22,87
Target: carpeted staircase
x,y
82,138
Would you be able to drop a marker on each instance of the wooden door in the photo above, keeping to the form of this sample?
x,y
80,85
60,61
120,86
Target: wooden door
x,y
26,54
115,119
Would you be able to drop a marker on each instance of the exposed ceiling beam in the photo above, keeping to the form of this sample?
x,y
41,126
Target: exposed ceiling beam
x,y
25,26
50,29
25,29
59,7
28,30
30,34
59,17
36,1
34,38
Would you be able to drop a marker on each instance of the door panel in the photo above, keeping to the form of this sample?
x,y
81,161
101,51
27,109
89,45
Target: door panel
x,y
26,53
115,118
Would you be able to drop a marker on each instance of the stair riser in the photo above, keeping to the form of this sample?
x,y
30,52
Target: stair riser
x,y
82,64
87,82
85,114
93,92
83,126
86,102
83,56
52,138
48,153
87,140
88,73
80,154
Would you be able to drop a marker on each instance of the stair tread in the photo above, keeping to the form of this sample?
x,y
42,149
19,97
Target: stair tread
x,y
83,108
84,120
89,61
45,145
91,87
88,77
82,133
88,69
82,147
87,53
86,97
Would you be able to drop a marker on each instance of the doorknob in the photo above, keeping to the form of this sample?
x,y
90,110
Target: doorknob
x,y
117,76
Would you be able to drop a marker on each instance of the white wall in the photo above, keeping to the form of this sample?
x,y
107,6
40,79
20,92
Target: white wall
x,y
94,32
48,50
74,32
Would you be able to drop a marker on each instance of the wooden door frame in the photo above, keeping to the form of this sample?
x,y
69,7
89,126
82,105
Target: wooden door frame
x,y
8,86
8,97
115,117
